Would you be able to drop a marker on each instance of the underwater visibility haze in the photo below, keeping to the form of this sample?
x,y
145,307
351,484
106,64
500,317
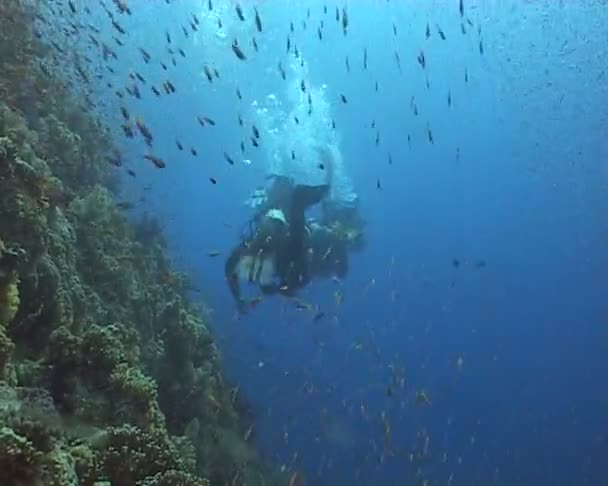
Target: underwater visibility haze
x,y
279,242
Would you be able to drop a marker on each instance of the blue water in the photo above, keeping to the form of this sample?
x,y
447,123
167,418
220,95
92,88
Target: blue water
x,y
510,345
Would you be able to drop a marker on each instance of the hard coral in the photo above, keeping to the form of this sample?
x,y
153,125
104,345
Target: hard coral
x,y
9,285
173,478
136,394
131,455
19,460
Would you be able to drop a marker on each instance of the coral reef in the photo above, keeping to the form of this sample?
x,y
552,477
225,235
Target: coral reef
x,y
108,375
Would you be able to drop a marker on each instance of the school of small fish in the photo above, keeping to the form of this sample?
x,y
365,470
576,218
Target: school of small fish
x,y
172,46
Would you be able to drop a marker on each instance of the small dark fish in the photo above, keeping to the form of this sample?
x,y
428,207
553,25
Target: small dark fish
x,y
208,120
254,142
193,151
179,145
347,65
394,30
127,131
463,29
378,184
169,88
145,55
163,65
291,28
155,91
421,59
376,86
288,43
213,180
239,12
343,98
258,21
255,131
255,44
461,7
293,155
125,205
168,37
344,20
449,98
131,172
440,32
318,316
210,5
319,33
428,30
282,71
466,75
390,159
72,6
242,146
238,94
377,138
456,263
365,58
240,121
398,60
145,132
237,51
157,161
228,159
333,124
118,27
207,72
430,134
213,253
321,166
125,113
115,159
296,119
303,86
481,46
181,51
480,264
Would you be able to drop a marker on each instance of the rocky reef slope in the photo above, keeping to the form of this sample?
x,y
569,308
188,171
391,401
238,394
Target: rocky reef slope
x,y
108,375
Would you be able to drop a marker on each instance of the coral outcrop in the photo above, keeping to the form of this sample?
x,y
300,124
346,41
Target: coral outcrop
x,y
108,375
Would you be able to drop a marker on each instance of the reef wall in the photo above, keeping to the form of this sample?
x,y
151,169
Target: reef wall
x,y
108,375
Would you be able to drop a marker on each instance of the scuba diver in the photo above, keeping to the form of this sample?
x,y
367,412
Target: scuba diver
x,y
283,251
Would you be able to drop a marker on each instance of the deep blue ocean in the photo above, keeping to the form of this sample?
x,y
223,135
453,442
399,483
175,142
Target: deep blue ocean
x,y
468,343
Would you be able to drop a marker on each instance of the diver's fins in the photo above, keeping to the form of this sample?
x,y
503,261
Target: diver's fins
x,y
305,196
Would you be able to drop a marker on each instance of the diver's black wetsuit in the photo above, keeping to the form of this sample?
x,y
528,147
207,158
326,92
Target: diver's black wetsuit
x,y
288,247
